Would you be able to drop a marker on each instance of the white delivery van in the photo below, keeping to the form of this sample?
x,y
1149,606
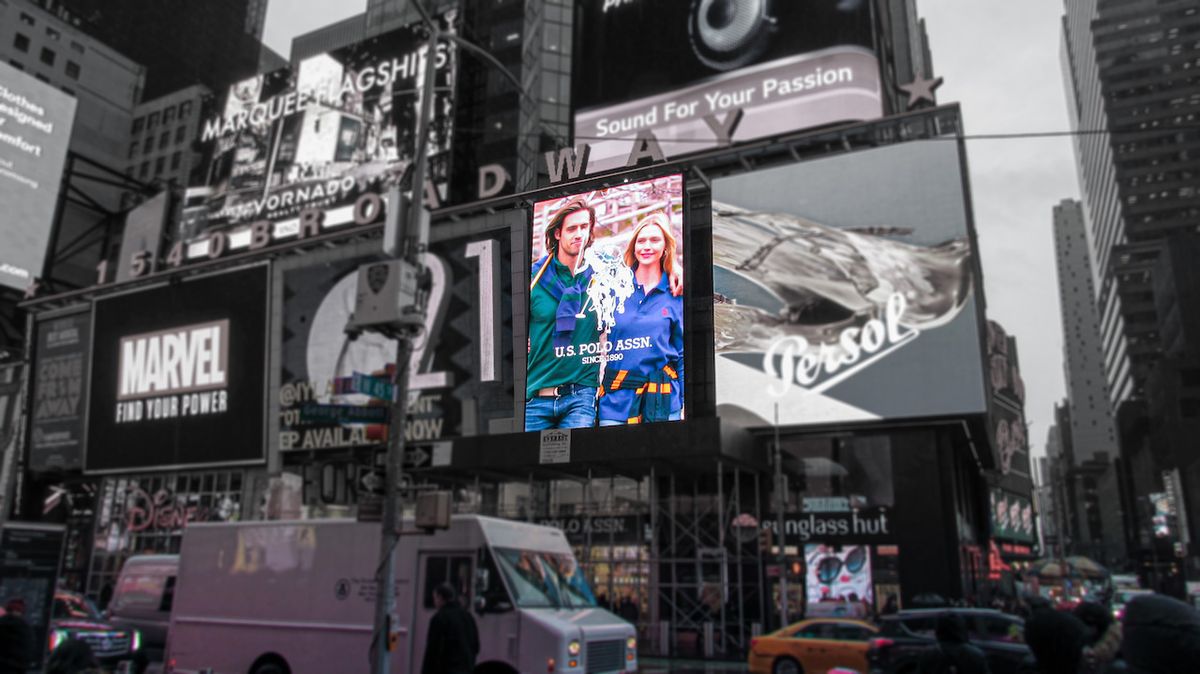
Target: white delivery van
x,y
298,598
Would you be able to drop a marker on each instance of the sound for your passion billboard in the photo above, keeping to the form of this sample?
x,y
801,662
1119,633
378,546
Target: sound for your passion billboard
x,y
177,374
844,290
317,139
335,389
678,68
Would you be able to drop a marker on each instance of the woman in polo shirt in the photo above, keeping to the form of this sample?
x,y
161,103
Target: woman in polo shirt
x,y
643,375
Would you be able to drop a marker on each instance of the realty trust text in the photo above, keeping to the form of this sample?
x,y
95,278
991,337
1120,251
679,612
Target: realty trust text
x,y
181,372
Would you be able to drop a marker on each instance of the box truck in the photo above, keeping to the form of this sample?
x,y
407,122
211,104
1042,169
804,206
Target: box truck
x,y
298,598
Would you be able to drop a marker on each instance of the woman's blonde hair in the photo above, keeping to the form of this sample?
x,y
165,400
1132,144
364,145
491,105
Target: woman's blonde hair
x,y
663,223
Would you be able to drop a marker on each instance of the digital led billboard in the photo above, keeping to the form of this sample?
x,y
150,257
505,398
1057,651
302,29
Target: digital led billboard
x,y
332,384
844,290
178,375
840,573
678,68
35,129
606,342
1012,517
342,124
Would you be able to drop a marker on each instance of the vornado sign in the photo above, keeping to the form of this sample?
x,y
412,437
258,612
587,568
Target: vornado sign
x,y
171,373
179,375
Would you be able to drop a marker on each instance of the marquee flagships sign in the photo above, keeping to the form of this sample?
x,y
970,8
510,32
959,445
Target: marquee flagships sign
x,y
296,153
60,377
177,377
844,290
680,69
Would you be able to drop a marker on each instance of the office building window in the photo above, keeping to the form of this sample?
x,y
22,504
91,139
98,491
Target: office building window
x,y
148,146
21,43
43,78
76,47
48,56
168,115
68,90
158,165
52,33
185,109
180,134
132,150
164,140
16,64
152,120
144,170
72,70
176,158
27,19
138,124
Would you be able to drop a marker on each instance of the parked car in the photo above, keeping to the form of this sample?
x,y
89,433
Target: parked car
x,y
904,636
142,600
814,645
75,617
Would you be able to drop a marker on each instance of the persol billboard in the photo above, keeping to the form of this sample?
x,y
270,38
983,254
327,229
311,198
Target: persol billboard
x,y
680,69
178,374
844,290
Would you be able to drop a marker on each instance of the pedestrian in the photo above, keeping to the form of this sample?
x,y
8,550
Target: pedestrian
x,y
1103,642
1161,636
453,640
72,656
953,653
16,638
1056,641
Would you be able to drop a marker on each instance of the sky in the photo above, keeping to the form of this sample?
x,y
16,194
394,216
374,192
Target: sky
x,y
1000,61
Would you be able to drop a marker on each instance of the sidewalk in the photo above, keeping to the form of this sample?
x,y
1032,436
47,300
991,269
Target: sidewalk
x,y
660,665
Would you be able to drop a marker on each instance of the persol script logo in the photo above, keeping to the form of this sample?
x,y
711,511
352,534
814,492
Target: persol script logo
x,y
178,360
819,367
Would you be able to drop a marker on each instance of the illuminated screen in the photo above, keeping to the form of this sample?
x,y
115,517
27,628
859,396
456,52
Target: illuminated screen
x,y
838,573
605,327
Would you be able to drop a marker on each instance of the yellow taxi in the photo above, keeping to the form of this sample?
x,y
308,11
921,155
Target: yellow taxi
x,y
813,647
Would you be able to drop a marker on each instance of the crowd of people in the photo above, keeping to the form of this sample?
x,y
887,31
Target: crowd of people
x,y
1157,635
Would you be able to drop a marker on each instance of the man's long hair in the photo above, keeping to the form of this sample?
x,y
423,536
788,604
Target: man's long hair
x,y
573,205
659,219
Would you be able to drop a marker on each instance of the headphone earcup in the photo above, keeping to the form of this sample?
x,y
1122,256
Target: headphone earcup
x,y
728,34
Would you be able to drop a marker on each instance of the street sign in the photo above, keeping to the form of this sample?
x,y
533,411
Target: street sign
x,y
375,387
313,413
417,457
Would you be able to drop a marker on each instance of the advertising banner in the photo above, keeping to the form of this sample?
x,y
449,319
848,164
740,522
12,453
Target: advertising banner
x,y
33,554
35,129
178,378
604,307
335,389
840,573
844,290
678,68
341,125
60,389
1012,517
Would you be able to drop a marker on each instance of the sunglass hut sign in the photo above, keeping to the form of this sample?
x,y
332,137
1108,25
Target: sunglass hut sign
x,y
180,372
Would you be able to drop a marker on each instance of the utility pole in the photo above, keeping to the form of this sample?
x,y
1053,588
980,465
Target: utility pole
x,y
408,245
780,504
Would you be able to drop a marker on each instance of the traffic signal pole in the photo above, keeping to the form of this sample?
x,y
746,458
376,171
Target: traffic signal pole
x,y
409,246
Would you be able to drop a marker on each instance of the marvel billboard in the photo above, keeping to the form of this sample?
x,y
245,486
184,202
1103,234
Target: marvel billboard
x,y
35,128
178,374
342,124
606,317
335,389
845,290
680,68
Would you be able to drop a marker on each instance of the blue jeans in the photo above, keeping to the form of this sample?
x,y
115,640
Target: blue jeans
x,y
574,410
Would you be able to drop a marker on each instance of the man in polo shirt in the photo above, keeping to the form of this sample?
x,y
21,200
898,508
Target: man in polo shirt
x,y
560,389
